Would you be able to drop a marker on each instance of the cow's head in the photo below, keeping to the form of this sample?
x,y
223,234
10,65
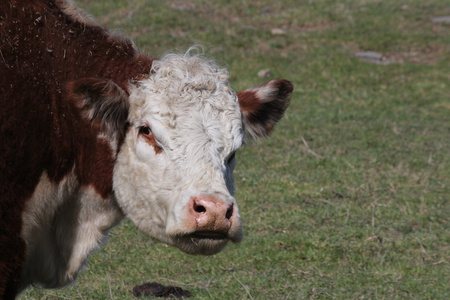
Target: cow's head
x,y
174,171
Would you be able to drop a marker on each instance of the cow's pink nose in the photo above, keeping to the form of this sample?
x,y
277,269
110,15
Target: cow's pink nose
x,y
211,214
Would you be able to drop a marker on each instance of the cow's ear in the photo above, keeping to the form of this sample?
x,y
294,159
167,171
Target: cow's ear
x,y
262,107
101,101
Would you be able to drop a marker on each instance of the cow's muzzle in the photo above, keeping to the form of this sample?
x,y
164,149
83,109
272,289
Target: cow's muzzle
x,y
213,223
211,214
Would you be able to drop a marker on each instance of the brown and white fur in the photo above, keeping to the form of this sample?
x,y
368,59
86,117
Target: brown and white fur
x,y
92,131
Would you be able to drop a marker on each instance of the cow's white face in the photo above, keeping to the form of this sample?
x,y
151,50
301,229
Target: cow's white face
x,y
173,176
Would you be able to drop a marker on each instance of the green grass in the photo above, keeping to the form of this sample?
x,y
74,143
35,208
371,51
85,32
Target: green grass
x,y
349,198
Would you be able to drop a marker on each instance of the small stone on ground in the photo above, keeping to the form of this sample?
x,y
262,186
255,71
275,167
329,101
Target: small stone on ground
x,y
264,73
278,31
443,19
374,57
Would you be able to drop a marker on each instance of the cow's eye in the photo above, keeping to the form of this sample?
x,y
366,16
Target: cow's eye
x,y
148,136
145,130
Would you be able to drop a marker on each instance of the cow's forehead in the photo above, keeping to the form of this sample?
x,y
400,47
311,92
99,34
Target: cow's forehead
x,y
189,95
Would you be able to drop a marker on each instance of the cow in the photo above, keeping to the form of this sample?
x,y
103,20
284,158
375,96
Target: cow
x,y
93,131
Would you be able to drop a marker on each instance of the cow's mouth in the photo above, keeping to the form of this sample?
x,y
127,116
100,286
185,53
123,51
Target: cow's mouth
x,y
212,235
202,242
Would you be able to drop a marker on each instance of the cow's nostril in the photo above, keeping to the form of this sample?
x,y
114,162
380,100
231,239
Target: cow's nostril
x,y
229,212
199,208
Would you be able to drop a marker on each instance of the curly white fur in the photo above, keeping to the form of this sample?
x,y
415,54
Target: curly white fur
x,y
196,120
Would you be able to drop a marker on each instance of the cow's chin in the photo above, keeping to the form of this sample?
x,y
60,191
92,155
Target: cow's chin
x,y
200,244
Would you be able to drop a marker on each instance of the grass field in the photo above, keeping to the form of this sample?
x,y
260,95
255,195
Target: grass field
x,y
350,197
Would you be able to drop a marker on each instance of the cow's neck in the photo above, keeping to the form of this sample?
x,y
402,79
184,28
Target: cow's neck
x,y
72,205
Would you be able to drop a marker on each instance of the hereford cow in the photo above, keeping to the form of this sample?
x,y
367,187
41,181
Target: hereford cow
x,y
92,131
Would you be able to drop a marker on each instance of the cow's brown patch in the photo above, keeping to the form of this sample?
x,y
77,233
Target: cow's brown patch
x,y
248,101
262,107
44,46
102,102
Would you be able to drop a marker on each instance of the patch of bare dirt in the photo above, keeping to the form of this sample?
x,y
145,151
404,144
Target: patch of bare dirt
x,y
182,5
429,55
154,289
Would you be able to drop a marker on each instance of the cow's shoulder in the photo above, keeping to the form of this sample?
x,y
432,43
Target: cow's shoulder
x,y
62,224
